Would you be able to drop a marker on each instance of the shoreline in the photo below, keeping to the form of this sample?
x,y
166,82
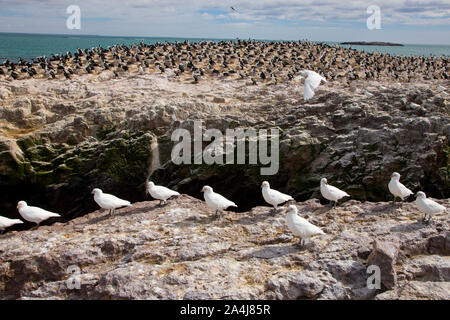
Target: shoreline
x,y
373,43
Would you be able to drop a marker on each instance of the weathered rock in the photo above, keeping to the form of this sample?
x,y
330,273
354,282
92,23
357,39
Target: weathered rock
x,y
180,251
384,255
100,133
417,290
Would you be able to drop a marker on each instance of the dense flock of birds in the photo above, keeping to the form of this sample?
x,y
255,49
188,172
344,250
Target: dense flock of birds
x,y
299,226
251,61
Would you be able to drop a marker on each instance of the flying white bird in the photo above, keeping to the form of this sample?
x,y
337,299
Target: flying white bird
x,y
428,206
299,226
397,188
108,201
161,193
331,193
274,197
312,82
6,222
216,201
34,214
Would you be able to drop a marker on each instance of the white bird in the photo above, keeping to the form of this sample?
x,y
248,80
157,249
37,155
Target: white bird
x,y
34,214
108,201
274,197
312,82
428,206
216,201
331,193
6,222
397,188
161,193
299,226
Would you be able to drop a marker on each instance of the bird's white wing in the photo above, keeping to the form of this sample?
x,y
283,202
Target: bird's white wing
x,y
314,79
164,192
337,192
6,222
280,196
433,206
113,200
404,190
221,200
39,212
306,226
308,91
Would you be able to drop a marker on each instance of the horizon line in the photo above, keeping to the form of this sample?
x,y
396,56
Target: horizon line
x,y
208,38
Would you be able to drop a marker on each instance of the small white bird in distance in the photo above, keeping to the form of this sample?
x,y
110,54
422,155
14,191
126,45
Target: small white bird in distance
x,y
6,223
160,192
299,226
34,214
331,193
397,188
274,197
428,206
108,201
216,201
312,82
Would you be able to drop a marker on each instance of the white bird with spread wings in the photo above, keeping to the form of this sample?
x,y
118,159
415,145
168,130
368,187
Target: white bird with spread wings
x,y
312,82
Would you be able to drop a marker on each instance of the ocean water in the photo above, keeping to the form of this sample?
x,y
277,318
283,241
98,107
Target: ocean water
x,y
406,50
28,46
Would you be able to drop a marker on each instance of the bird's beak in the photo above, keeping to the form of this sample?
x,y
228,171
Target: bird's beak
x,y
92,192
17,207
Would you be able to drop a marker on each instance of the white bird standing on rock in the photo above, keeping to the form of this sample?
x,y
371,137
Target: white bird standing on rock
x,y
331,193
312,82
299,226
397,188
34,214
6,222
216,201
274,197
108,201
159,192
428,206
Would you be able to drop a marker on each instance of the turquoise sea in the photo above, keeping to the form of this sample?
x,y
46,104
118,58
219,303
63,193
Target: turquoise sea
x,y
28,46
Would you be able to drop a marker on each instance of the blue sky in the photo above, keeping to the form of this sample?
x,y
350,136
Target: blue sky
x,y
404,21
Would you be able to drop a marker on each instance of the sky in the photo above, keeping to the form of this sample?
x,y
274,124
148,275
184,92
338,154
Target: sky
x,y
402,21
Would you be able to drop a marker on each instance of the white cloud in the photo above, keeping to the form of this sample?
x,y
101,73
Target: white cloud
x,y
203,17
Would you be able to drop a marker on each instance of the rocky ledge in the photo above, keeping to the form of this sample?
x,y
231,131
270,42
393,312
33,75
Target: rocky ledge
x,y
61,139
180,251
